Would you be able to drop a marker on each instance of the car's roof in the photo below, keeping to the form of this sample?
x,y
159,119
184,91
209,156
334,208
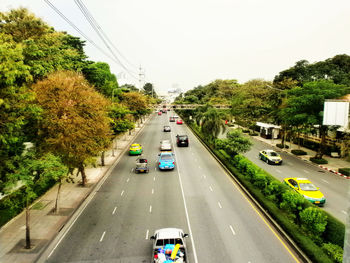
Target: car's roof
x,y
165,233
135,144
269,150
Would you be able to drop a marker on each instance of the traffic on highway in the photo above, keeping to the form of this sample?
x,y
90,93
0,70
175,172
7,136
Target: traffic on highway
x,y
186,201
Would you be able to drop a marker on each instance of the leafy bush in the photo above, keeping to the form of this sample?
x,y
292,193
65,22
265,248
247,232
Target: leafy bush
x,y
344,171
313,220
292,202
335,252
318,161
298,152
245,131
279,145
260,180
335,231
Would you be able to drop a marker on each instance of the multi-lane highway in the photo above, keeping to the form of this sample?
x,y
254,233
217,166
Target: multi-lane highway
x,y
198,196
334,187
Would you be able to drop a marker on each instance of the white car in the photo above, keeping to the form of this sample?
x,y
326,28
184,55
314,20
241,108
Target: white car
x,y
165,145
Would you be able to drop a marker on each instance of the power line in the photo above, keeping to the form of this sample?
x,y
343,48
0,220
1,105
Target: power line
x,y
81,32
91,20
103,33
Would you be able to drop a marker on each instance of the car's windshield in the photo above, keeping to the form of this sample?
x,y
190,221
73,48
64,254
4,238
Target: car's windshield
x,y
307,187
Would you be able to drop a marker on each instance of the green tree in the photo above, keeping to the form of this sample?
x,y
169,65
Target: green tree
x,y
14,104
304,107
313,221
99,75
212,124
136,103
34,171
235,143
148,89
74,122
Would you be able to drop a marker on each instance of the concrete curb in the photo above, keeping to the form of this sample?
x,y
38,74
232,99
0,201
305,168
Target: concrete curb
x,y
332,171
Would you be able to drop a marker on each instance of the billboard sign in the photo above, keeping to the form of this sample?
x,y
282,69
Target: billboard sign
x,y
336,113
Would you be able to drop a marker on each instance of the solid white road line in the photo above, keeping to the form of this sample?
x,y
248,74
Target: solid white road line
x,y
127,180
219,204
305,171
115,208
233,232
211,189
152,191
150,209
325,181
185,206
102,236
147,234
121,194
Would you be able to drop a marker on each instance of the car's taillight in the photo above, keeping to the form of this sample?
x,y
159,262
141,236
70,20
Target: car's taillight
x,y
173,162
159,163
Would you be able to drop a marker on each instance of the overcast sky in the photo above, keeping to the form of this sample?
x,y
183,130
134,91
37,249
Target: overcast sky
x,y
186,43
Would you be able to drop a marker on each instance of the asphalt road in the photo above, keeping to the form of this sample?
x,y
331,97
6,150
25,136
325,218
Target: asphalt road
x,y
198,196
334,187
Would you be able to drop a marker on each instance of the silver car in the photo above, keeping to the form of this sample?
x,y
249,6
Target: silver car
x,y
165,145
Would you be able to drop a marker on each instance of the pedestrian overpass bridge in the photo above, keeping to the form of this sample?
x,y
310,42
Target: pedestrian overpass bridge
x,y
191,106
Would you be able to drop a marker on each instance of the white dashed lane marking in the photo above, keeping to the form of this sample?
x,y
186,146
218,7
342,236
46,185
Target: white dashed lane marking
x,y
150,209
211,189
233,232
127,180
152,191
278,171
103,235
325,181
115,209
306,171
121,194
147,232
344,212
219,204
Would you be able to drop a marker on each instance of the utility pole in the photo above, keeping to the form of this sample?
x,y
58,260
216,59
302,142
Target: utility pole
x,y
140,77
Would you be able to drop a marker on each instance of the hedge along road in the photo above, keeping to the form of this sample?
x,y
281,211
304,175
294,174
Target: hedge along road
x,y
197,196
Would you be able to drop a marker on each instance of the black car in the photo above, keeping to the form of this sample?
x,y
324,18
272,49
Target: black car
x,y
167,129
182,140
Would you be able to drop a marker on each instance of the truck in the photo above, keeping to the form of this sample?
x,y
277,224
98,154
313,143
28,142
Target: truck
x,y
169,245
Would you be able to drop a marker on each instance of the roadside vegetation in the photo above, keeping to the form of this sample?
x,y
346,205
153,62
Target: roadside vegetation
x,y
316,232
68,108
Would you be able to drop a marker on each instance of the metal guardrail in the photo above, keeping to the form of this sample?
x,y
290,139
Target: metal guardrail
x,y
276,226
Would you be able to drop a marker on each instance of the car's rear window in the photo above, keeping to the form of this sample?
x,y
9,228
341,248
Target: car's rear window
x,y
183,137
166,157
171,241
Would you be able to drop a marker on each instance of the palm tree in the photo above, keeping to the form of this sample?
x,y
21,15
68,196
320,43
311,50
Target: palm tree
x,y
212,123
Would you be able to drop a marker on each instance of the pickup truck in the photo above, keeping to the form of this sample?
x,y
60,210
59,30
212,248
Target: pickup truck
x,y
169,245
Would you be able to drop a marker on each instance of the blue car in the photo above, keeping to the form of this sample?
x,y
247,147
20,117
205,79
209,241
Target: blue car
x,y
166,161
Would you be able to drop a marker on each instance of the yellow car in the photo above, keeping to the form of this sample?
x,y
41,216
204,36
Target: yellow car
x,y
307,189
270,156
135,149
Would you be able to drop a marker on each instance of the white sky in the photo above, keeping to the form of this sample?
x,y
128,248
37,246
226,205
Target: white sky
x,y
186,43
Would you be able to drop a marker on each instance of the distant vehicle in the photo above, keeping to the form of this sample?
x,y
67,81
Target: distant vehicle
x,y
172,119
159,113
182,140
166,161
179,121
307,189
168,109
270,156
135,149
169,245
176,117
166,128
164,111
165,145
141,165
